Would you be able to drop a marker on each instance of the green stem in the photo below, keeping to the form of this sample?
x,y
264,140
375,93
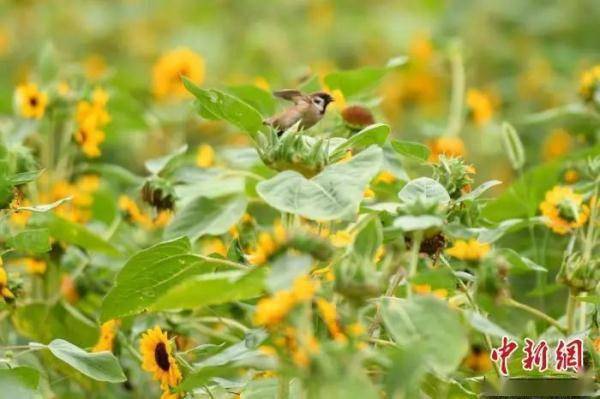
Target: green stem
x,y
535,312
414,261
571,308
455,118
284,388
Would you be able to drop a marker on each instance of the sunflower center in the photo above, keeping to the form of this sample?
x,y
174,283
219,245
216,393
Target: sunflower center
x,y
567,210
33,101
162,356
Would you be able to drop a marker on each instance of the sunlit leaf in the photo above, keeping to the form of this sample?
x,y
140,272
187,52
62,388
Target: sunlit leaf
x,y
31,241
416,151
19,382
424,187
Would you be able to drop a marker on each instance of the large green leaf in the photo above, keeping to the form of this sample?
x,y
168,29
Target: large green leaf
x,y
158,165
213,288
204,215
31,241
149,274
427,322
260,99
101,366
76,234
334,193
228,108
416,151
373,134
19,382
424,187
355,81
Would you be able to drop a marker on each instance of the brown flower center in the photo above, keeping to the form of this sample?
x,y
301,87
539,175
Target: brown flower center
x,y
33,101
162,356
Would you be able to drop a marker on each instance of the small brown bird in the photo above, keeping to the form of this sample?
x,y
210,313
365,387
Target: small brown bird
x,y
308,109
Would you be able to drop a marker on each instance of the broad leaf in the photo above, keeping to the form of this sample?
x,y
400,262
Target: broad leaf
x,y
414,223
260,99
101,366
424,187
519,264
334,193
76,234
373,134
19,382
429,323
355,81
31,241
285,269
228,108
416,151
213,288
485,325
479,190
204,215
158,165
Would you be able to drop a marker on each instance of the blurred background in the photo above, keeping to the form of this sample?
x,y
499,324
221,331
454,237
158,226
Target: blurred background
x,y
519,57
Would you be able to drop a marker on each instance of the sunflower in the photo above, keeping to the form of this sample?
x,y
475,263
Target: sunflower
x,y
168,70
470,250
450,146
108,331
481,106
157,358
589,83
5,292
31,101
563,210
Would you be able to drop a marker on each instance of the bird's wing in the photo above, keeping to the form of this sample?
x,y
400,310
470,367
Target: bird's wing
x,y
289,94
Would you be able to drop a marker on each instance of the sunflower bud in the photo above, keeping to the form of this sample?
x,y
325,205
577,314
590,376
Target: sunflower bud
x,y
159,193
454,174
580,275
357,117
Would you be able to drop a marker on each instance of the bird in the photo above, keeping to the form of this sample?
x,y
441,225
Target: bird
x,y
308,109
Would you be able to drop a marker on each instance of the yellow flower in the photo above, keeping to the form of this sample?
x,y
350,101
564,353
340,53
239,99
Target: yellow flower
x,y
563,210
424,289
68,289
385,177
108,331
558,143
481,106
33,266
88,183
267,244
135,214
471,250
341,238
421,48
214,246
368,193
20,218
63,88
157,358
94,66
450,146
170,67
262,83
5,292
205,157
167,394
91,117
31,102
339,101
588,83
478,360
330,317
271,311
571,176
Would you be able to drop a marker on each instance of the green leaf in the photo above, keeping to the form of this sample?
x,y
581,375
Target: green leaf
x,y
76,234
149,274
412,223
24,177
101,366
115,173
228,108
519,263
368,240
479,190
200,378
513,146
424,187
260,99
19,382
373,134
410,149
285,269
429,323
47,63
507,226
158,165
31,241
204,215
213,288
355,81
485,325
334,193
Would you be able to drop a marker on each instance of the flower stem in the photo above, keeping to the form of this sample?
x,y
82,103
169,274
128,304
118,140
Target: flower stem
x,y
535,312
570,313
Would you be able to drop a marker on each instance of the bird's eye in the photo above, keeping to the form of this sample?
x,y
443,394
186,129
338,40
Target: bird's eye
x,y
318,101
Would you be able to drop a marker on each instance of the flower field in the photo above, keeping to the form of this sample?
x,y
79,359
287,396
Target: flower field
x,y
308,199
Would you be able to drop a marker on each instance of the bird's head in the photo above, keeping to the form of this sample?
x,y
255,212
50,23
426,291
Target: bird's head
x,y
321,100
